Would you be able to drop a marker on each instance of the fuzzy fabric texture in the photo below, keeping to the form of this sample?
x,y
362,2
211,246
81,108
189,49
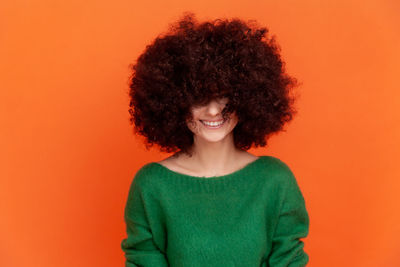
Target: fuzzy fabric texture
x,y
253,217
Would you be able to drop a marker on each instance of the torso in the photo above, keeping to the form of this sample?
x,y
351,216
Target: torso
x,y
179,165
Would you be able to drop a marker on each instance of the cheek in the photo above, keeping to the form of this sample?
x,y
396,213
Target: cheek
x,y
233,120
233,124
193,126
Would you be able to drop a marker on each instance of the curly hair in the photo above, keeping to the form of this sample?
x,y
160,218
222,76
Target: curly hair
x,y
194,63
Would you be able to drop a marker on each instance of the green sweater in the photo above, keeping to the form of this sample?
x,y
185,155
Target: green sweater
x,y
252,217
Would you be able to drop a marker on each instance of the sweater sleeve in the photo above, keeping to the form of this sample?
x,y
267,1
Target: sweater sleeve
x,y
292,225
139,246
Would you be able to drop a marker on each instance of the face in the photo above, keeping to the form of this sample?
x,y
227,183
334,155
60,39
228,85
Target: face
x,y
207,120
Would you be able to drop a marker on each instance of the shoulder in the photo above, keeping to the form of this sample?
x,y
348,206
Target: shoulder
x,y
277,170
145,176
279,175
275,164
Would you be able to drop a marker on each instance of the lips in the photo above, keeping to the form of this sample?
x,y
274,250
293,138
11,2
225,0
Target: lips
x,y
220,120
213,126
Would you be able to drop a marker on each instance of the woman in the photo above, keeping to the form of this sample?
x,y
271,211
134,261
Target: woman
x,y
208,92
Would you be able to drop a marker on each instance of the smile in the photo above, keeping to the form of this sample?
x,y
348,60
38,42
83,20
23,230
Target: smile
x,y
213,125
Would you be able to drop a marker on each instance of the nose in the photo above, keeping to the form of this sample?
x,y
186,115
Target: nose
x,y
214,108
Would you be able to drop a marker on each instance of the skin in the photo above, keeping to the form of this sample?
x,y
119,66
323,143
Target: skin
x,y
214,153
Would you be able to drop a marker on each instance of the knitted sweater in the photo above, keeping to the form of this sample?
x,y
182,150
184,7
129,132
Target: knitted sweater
x,y
252,217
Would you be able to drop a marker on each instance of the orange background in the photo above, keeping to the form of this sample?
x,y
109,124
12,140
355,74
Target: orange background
x,y
68,153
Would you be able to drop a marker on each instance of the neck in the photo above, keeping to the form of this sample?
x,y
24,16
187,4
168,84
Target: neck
x,y
216,157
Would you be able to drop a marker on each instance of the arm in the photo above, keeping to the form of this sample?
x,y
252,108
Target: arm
x,y
139,246
293,224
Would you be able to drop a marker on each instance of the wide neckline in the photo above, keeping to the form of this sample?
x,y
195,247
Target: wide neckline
x,y
219,177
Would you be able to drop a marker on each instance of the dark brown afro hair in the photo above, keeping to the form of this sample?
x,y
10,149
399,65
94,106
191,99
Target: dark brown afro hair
x,y
194,63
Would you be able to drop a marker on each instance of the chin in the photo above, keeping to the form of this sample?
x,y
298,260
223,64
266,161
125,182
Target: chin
x,y
214,137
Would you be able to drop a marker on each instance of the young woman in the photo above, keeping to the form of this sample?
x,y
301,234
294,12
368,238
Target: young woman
x,y
208,92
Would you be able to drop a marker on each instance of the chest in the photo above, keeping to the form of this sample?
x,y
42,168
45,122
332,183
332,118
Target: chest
x,y
227,231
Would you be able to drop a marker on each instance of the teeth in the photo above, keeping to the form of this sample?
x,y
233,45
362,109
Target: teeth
x,y
213,123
